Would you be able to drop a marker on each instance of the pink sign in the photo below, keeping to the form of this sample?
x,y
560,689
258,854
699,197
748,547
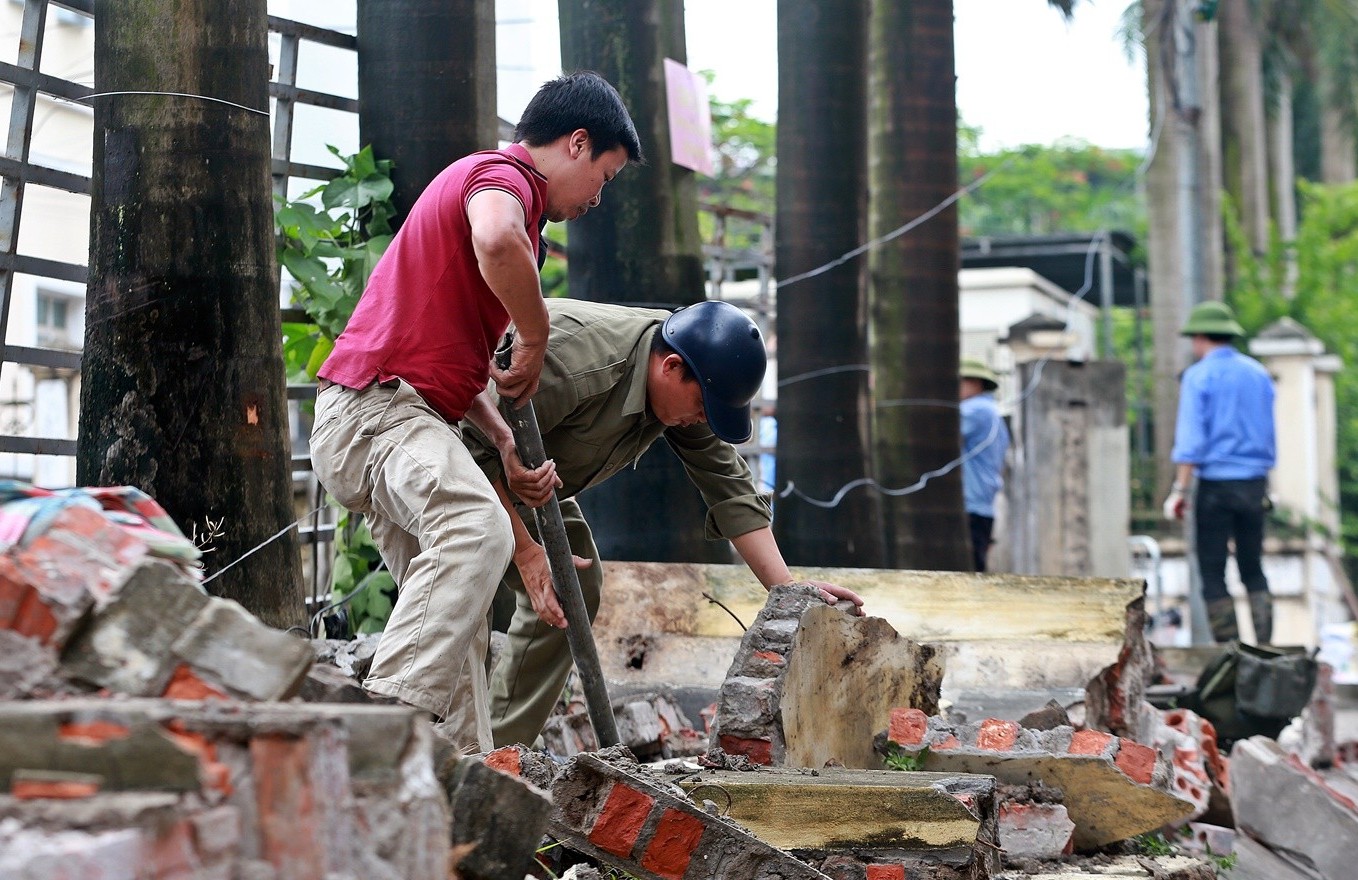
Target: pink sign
x,y
690,118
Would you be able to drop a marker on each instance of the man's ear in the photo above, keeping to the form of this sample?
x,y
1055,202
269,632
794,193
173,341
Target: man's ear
x,y
579,143
671,362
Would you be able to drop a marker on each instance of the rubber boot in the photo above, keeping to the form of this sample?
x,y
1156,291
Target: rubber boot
x,y
1261,612
1221,618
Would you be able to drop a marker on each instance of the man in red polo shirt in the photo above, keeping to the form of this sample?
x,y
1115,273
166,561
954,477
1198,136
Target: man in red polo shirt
x,y
416,353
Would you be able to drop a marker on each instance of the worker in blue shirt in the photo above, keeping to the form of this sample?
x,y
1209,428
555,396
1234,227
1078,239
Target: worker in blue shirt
x,y
984,442
1224,435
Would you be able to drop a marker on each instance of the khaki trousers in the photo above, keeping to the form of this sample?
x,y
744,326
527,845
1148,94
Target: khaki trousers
x,y
536,659
384,453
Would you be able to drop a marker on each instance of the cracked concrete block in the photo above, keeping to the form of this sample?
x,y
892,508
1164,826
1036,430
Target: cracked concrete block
x,y
812,684
611,811
1036,831
126,647
1254,861
1282,803
232,649
1113,788
926,818
502,814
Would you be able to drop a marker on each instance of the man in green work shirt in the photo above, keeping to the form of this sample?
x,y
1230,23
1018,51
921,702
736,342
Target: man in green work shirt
x,y
615,380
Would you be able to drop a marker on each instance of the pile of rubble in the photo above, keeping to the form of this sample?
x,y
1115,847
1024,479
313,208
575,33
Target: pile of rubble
x,y
150,730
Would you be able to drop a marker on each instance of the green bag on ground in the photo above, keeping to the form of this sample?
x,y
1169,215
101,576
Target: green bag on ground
x,y
1251,690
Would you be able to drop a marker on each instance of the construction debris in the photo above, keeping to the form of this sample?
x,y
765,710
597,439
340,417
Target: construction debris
x,y
141,728
876,817
1113,788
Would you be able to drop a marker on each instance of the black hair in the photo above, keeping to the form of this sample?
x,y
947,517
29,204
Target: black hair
x,y
1220,337
662,348
579,100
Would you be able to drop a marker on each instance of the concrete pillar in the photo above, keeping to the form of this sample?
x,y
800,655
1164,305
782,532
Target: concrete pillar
x,y
1067,493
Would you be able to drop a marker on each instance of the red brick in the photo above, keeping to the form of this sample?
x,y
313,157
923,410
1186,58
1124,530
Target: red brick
x,y
1137,761
907,726
886,872
186,685
771,656
93,733
57,789
759,751
1089,742
216,775
948,742
506,760
289,816
21,608
996,735
620,820
671,847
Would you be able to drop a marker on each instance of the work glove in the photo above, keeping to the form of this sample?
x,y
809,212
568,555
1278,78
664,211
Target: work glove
x,y
1175,503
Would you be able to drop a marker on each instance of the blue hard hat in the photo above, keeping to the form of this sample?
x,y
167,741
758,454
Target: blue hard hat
x,y
725,351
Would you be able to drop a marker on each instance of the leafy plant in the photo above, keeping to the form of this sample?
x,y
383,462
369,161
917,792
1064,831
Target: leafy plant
x,y
331,251
358,580
899,759
1153,843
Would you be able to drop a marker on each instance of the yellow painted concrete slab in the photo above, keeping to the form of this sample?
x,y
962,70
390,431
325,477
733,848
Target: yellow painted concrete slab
x,y
843,809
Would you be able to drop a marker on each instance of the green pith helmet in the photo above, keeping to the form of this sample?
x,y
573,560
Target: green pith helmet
x,y
1212,319
974,369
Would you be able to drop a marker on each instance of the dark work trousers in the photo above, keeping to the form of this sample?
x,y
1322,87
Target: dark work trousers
x,y
981,527
1226,509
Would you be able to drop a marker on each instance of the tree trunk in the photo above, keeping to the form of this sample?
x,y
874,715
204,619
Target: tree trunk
x,y
1168,212
1338,150
1244,129
912,281
183,391
426,86
640,246
823,403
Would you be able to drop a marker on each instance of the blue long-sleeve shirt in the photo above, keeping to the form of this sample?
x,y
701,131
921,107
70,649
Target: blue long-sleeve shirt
x,y
1225,423
984,441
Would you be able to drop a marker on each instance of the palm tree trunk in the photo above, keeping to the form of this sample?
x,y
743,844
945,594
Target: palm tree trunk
x,y
426,86
183,391
823,404
912,280
640,246
1244,130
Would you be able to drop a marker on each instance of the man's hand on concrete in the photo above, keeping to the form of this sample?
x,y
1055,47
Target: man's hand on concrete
x,y
520,381
533,486
840,597
1175,504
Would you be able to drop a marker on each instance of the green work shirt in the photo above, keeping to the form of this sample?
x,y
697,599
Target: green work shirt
x,y
592,411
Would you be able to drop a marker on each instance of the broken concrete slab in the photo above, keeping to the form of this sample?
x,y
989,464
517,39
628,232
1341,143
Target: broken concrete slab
x,y
1115,699
1254,861
929,818
501,814
126,647
811,684
610,811
844,676
995,630
1126,867
1113,788
1284,804
230,647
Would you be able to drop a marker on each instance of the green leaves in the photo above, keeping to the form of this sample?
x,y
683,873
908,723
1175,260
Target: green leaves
x,y
332,250
370,591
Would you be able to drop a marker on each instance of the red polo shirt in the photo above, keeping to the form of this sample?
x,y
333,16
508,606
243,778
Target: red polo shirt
x,y
427,316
